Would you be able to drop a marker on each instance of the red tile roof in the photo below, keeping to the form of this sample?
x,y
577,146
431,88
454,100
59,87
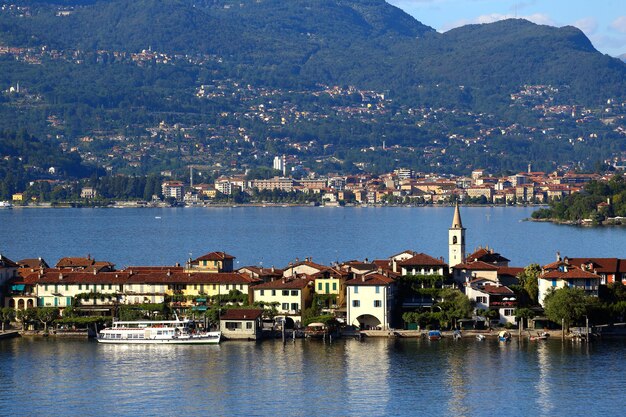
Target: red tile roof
x,y
214,256
477,266
284,284
70,262
241,314
510,271
370,279
421,259
571,273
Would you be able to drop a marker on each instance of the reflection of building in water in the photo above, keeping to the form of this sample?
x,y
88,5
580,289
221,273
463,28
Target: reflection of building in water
x,y
544,396
457,381
367,375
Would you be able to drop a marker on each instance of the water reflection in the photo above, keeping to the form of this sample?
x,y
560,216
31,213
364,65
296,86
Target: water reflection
x,y
367,377
545,404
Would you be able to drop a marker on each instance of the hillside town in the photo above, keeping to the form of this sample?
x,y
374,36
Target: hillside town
x,y
403,291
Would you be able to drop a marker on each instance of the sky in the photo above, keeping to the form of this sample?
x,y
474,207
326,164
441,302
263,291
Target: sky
x,y
603,21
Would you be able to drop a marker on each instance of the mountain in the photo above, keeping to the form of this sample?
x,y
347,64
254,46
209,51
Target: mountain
x,y
622,57
337,76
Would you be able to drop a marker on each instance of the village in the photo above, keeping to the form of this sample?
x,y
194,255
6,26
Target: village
x,y
405,292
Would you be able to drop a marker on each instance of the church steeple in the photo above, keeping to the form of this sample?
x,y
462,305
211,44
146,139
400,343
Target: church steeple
x,y
456,239
456,220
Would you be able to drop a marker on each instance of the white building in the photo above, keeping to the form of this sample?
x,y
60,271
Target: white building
x,y
172,189
280,164
370,301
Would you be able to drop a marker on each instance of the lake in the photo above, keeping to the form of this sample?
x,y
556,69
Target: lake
x,y
379,376
399,377
267,236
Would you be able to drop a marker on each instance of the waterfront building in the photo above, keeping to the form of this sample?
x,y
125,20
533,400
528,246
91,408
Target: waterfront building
x,y
293,295
370,301
241,323
307,267
562,273
394,260
173,189
331,282
456,239
278,183
8,271
488,295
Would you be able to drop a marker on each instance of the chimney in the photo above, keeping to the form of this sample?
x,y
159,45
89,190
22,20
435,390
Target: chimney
x,y
95,272
362,278
61,275
273,270
558,256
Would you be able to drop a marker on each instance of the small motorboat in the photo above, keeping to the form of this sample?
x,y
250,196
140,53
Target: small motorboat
x,y
540,336
434,335
480,337
504,336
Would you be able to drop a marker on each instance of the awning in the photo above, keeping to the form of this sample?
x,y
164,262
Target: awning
x,y
200,300
18,287
199,308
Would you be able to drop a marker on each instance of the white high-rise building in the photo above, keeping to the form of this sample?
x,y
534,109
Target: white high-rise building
x,y
280,164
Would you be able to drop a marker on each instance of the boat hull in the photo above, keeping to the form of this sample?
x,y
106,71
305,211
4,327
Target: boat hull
x,y
197,340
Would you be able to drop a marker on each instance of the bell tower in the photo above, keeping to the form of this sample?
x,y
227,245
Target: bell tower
x,y
456,240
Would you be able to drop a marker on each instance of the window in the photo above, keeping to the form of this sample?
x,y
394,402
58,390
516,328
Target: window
x,y
509,312
80,286
356,303
233,325
249,325
294,306
241,286
378,303
356,290
227,287
285,292
45,287
319,286
214,286
273,292
481,299
334,286
110,286
262,292
378,289
66,287
102,286
294,293
285,306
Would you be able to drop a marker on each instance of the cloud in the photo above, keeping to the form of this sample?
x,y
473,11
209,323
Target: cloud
x,y
589,25
539,18
619,24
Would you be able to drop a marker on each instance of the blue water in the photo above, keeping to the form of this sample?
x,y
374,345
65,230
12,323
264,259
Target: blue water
x,y
278,235
395,377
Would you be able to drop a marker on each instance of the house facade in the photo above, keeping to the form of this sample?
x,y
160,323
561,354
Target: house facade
x,y
241,323
370,300
293,295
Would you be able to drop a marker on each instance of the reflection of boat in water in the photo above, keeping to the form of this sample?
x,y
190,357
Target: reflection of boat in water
x,y
434,335
172,332
504,336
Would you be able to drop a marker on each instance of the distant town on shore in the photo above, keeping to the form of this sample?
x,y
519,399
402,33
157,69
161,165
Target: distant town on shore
x,y
402,292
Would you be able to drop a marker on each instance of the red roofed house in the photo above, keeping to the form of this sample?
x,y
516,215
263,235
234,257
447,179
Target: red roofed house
x,y
422,264
241,323
370,301
563,274
293,295
212,262
490,296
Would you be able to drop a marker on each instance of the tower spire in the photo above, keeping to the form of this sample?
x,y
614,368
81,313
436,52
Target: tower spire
x,y
456,220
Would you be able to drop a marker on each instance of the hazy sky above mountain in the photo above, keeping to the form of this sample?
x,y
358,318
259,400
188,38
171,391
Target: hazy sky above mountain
x,y
603,21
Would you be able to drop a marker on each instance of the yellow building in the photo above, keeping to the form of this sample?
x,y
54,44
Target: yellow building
x,y
212,262
18,197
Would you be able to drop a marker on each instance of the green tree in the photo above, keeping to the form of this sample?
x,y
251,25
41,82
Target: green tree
x,y
529,281
566,305
6,315
524,314
454,305
47,315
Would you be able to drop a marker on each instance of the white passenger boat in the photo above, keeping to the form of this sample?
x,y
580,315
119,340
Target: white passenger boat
x,y
168,332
